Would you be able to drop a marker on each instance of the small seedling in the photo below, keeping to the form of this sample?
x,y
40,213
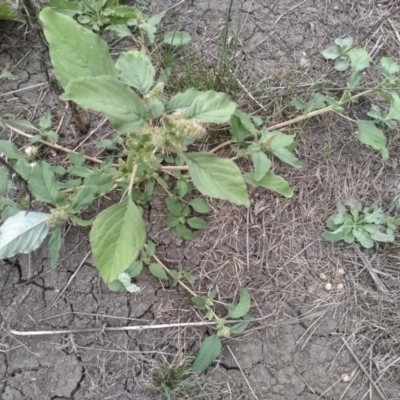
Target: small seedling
x,y
181,220
366,226
339,53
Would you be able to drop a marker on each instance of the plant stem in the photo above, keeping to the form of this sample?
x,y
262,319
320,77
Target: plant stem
x,y
175,168
169,273
56,146
297,119
132,181
129,160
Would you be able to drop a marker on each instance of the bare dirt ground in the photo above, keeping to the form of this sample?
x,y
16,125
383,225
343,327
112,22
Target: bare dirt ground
x,y
307,337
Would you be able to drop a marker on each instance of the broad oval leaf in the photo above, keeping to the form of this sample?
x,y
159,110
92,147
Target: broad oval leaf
x,y
210,349
106,94
272,182
243,307
75,51
261,163
22,233
217,177
198,223
285,155
183,232
43,184
200,205
211,107
117,237
158,271
370,135
359,59
136,70
182,100
83,198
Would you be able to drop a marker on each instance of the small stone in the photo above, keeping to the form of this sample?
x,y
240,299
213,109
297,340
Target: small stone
x,y
339,286
323,276
340,272
345,378
328,286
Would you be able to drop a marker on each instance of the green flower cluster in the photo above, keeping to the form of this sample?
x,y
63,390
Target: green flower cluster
x,y
58,215
175,134
157,93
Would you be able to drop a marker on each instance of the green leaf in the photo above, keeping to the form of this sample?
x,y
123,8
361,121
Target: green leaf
x,y
262,164
239,327
239,123
354,80
120,29
217,177
210,349
365,239
342,63
177,38
83,198
174,207
5,183
136,70
183,232
75,51
106,144
200,205
331,53
116,286
345,42
70,8
190,277
158,271
183,188
370,135
335,236
243,307
394,100
135,269
211,107
359,59
8,212
117,237
201,302
287,157
42,183
130,287
272,182
103,182
22,125
10,150
382,237
172,222
55,243
125,110
198,223
281,140
157,108
150,249
76,158
388,67
45,121
22,233
182,100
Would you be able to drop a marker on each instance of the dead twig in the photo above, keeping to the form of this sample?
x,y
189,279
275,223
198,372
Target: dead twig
x,y
357,360
379,284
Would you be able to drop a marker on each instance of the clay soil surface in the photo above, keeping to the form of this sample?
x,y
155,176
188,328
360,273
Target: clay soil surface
x,y
305,337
